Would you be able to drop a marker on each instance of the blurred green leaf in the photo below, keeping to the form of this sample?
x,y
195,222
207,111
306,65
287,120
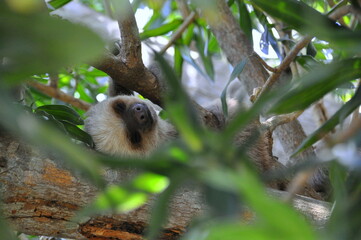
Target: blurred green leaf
x,y
237,70
185,51
315,84
288,224
150,182
303,18
204,54
159,212
161,30
245,19
119,199
307,62
58,3
29,128
62,112
331,123
178,62
5,231
24,38
179,108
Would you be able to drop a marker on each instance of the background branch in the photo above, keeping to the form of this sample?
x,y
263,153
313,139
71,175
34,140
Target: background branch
x,y
57,94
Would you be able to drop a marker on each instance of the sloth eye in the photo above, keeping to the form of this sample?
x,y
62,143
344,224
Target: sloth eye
x,y
119,107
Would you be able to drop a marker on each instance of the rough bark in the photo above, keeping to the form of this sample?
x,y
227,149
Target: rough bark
x,y
40,197
237,47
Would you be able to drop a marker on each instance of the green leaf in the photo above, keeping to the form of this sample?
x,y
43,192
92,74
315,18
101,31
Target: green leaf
x,y
245,19
204,54
62,112
179,108
58,3
331,123
159,212
31,129
274,217
6,232
315,84
161,30
185,51
303,18
178,62
120,199
150,182
237,70
50,44
307,62
78,134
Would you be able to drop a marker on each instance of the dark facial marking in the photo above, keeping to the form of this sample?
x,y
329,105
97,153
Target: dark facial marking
x,y
119,107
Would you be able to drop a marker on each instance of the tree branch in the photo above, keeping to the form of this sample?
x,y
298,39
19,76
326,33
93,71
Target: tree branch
x,y
190,18
57,94
41,198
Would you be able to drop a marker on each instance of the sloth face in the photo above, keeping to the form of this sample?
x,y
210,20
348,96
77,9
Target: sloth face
x,y
127,126
137,118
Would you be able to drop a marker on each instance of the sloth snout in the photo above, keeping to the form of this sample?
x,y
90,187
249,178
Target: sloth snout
x,y
140,113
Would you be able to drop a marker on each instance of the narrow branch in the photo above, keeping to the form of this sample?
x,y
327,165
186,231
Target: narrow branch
x,y
285,64
297,48
190,18
131,53
268,67
54,79
55,93
276,121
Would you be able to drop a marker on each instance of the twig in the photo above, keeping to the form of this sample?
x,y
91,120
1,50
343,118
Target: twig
x,y
297,183
55,93
131,53
285,63
268,67
179,31
54,79
341,11
335,7
275,121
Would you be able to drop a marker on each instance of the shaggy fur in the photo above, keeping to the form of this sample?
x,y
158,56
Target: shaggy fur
x,y
109,127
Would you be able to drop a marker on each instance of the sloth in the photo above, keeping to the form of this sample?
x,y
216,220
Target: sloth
x,y
130,127
127,126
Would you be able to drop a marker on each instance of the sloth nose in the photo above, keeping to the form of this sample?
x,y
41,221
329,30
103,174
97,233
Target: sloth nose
x,y
140,112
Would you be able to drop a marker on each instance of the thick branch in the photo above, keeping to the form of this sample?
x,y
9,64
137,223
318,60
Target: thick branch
x,y
41,198
57,94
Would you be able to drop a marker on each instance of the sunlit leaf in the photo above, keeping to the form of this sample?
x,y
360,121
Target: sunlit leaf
x,y
161,30
150,182
160,208
58,3
119,199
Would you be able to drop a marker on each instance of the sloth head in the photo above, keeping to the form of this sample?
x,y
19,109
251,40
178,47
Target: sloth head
x,y
127,126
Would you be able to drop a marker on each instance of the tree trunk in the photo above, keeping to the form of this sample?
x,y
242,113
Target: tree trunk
x,y
41,197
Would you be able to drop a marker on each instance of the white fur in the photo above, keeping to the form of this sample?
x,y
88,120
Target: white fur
x,y
109,134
